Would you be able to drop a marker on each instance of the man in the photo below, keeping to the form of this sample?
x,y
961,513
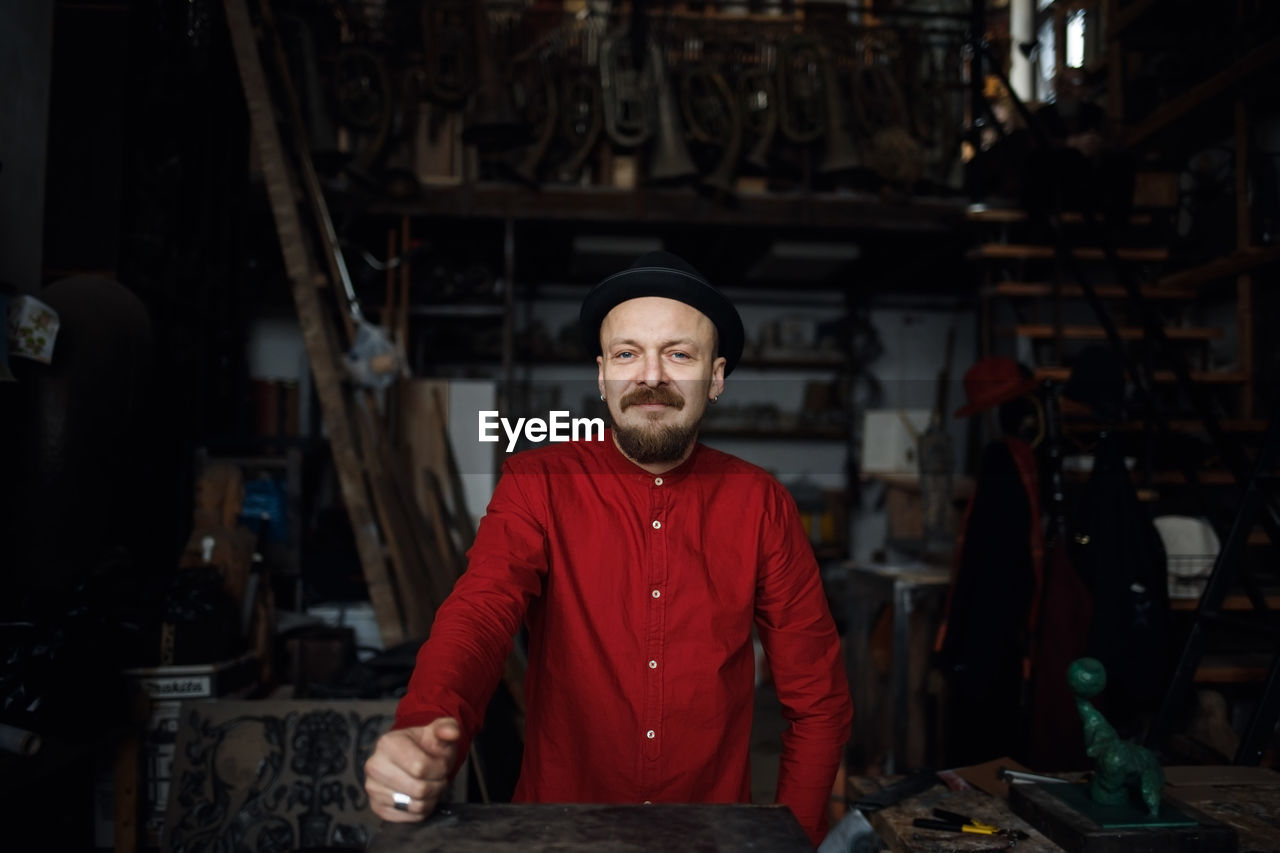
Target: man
x,y
641,563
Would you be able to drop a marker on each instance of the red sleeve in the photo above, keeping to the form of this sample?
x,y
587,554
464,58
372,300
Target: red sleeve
x,y
795,626
459,666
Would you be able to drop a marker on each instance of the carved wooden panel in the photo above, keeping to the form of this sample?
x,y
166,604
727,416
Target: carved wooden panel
x,y
273,776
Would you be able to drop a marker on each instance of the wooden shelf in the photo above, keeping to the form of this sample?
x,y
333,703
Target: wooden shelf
x,y
1200,377
1234,264
1008,215
1014,251
1016,289
1045,331
681,206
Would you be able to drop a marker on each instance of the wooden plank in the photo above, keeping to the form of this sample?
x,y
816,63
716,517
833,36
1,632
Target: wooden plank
x,y
1015,251
1016,289
126,777
1202,377
1251,63
410,559
1241,261
1009,215
1245,668
1250,809
1238,602
427,452
1045,331
465,525
317,332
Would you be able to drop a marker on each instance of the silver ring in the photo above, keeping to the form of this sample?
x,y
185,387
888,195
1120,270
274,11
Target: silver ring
x,y
401,800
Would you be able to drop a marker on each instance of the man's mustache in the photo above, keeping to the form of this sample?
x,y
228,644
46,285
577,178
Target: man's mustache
x,y
648,395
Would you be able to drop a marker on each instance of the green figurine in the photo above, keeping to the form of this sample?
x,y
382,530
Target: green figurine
x,y
1121,765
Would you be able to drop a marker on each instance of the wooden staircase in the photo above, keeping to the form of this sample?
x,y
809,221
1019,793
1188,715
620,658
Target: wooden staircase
x,y
1187,326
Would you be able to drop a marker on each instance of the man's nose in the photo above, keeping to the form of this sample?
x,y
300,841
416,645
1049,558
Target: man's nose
x,y
653,374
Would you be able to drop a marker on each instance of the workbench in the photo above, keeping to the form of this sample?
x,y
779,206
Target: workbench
x,y
528,828
1247,799
890,721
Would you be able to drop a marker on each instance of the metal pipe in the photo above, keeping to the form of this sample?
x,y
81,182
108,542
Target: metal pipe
x,y
1019,776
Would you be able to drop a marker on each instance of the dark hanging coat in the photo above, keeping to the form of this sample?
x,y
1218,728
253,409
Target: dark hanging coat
x,y
991,608
1121,559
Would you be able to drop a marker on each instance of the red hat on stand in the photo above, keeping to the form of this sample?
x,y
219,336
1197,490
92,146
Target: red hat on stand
x,y
991,381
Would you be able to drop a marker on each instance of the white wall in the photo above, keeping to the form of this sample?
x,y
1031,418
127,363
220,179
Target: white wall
x,y
914,351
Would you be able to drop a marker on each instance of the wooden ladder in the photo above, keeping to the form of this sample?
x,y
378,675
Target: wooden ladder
x,y
409,560
395,573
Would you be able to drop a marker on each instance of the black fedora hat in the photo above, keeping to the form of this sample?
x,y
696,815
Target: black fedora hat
x,y
663,274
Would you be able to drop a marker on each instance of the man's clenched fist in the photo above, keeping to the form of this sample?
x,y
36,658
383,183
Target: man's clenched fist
x,y
414,764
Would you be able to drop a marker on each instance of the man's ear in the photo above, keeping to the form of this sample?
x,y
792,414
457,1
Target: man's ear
x,y
600,374
717,377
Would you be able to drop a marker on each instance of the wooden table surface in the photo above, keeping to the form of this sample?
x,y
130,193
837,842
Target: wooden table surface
x,y
1252,810
529,828
893,824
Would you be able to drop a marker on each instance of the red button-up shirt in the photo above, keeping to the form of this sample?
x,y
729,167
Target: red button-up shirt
x,y
640,592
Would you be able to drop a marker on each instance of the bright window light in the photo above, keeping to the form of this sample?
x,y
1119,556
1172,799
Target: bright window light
x,y
1075,39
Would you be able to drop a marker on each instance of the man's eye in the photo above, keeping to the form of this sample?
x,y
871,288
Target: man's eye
x,y
624,354
680,355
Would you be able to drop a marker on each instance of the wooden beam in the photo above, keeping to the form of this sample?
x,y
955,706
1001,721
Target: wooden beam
x,y
1236,263
1252,62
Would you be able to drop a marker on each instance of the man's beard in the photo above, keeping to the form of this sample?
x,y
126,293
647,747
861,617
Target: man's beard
x,y
655,443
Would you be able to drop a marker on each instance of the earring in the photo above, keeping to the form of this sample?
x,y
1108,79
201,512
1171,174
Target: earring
x,y
601,398
714,400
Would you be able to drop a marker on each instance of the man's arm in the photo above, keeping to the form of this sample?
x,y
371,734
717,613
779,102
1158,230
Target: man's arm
x,y
459,666
800,639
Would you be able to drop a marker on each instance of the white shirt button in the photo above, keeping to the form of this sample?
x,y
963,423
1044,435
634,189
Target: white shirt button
x,y
657,524
657,481
657,593
648,802
651,734
653,664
